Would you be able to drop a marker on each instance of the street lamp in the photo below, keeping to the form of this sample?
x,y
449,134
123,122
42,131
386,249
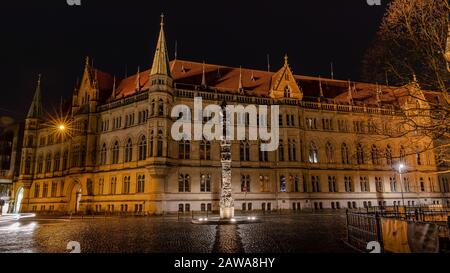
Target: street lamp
x,y
61,127
401,167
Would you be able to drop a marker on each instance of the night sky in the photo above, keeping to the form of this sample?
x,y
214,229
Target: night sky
x,y
52,38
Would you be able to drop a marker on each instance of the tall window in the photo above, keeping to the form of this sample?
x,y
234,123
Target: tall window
x,y
348,183
103,154
160,107
406,185
379,184
113,186
418,157
313,153
184,149
264,183
315,183
292,150
40,164
205,183
329,152
159,147
56,162
245,183
363,180
129,151
45,190
54,189
205,150
402,154
126,185
152,140
332,187
153,108
263,155
282,183
393,183
388,155
37,188
296,184
115,153
28,165
89,187
101,186
184,183
140,183
281,150
360,154
244,151
65,160
142,148
344,154
48,163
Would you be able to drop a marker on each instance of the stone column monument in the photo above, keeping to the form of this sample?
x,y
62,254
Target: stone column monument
x,y
226,199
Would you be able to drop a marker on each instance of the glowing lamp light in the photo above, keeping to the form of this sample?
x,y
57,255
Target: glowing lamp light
x,y
233,220
61,127
401,166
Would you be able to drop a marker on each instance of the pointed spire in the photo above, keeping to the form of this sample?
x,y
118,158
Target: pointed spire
x,y
203,74
350,93
320,87
113,95
286,63
161,59
218,72
35,110
252,77
241,86
138,79
378,94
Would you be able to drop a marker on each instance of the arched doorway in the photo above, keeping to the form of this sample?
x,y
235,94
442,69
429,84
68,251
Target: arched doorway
x,y
75,198
18,201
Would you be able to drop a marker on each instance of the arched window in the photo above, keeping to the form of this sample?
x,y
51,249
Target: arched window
x,y
113,186
418,157
205,150
388,155
48,163
160,107
40,165
159,147
65,160
360,154
184,183
374,154
344,154
126,185
329,152
153,108
281,150
115,153
282,183
287,92
151,142
402,154
28,165
313,153
143,148
56,162
89,187
263,155
205,183
245,183
103,154
244,151
129,151
184,149
292,150
140,184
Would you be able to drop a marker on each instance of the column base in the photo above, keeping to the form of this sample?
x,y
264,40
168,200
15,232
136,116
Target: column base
x,y
226,213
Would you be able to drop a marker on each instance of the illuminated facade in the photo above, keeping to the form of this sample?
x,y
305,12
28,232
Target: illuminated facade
x,y
334,151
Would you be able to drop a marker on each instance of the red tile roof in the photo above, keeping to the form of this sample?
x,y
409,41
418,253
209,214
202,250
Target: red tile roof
x,y
188,74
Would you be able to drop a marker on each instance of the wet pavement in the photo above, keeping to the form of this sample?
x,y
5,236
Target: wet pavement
x,y
296,233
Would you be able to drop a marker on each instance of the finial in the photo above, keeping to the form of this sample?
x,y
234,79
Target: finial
x,y
39,79
86,63
320,87
286,59
414,77
203,74
241,86
162,19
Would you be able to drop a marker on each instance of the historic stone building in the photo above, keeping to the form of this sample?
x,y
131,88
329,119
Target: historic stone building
x,y
337,148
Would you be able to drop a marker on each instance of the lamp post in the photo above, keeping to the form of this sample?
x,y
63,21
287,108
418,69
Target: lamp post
x,y
401,167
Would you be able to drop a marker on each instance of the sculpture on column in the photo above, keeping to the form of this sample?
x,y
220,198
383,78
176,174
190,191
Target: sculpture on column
x,y
226,199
